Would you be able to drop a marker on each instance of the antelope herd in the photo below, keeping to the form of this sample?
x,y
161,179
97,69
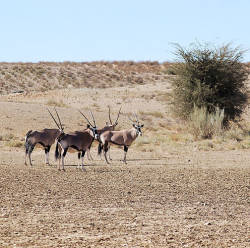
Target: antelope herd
x,y
80,141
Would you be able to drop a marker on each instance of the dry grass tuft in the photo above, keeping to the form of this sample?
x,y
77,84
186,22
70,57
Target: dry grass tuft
x,y
203,124
14,143
7,137
155,114
55,103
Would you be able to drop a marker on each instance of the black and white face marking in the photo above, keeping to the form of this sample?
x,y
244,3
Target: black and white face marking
x,y
138,129
95,134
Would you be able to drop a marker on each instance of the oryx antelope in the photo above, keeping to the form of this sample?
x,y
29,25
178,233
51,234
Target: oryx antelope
x,y
108,127
78,140
46,138
121,138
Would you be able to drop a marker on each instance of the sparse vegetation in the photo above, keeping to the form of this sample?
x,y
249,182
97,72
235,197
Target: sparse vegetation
x,y
203,124
70,74
155,114
8,137
55,103
11,140
14,143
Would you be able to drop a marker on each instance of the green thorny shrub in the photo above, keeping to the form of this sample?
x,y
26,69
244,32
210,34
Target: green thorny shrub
x,y
209,78
203,124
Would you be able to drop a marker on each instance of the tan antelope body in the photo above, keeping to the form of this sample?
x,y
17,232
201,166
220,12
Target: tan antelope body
x,y
99,131
121,138
108,127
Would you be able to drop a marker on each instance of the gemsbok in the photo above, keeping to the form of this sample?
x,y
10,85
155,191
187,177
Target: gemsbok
x,y
108,127
45,138
121,138
80,141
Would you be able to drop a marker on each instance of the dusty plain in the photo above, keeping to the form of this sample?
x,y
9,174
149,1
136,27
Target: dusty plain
x,y
174,191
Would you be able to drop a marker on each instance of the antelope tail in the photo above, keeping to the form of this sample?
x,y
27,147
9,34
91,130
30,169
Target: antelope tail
x,y
57,155
28,146
100,147
27,135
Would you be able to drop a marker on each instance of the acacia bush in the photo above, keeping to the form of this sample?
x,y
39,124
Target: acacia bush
x,y
211,78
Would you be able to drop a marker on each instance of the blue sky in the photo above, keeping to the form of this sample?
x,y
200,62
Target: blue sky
x,y
139,30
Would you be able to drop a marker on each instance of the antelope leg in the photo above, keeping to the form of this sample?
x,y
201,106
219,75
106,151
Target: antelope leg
x,y
47,149
30,158
59,164
26,153
89,155
79,157
105,153
59,156
109,153
83,153
63,155
125,154
25,159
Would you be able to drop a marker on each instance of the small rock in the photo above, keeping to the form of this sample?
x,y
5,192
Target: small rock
x,y
208,224
17,91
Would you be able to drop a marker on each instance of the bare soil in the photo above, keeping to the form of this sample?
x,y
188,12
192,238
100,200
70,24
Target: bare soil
x,y
164,202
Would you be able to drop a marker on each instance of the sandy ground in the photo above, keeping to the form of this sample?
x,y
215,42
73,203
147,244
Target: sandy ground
x,y
172,198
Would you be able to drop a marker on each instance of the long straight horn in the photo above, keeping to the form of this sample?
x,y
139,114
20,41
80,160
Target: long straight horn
x,y
54,120
93,117
85,118
130,119
118,115
59,119
110,116
136,118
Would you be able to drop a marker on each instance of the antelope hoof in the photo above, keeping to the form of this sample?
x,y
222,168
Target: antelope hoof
x,y
107,161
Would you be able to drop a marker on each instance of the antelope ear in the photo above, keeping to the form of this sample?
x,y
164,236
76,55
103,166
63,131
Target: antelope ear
x,y
134,125
142,125
88,126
